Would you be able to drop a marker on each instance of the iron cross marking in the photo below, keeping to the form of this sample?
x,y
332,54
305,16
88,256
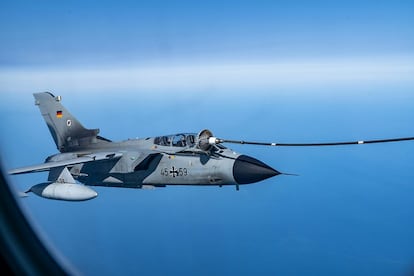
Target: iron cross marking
x,y
173,171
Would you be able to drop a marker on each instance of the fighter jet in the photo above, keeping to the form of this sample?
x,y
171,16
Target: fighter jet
x,y
87,159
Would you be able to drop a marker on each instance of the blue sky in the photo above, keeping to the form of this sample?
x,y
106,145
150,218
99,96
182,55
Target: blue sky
x,y
44,33
230,44
289,71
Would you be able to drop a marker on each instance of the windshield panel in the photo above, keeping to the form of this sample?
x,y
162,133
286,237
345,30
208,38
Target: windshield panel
x,y
177,140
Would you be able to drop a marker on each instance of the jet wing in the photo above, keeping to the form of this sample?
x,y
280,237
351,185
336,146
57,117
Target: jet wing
x,y
68,162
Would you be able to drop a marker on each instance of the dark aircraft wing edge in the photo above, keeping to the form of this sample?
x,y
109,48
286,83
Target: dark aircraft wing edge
x,y
64,163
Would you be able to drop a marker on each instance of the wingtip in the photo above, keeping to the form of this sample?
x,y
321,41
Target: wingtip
x,y
13,171
23,194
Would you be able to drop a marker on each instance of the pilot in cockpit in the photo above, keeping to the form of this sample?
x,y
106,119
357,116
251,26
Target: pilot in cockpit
x,y
182,142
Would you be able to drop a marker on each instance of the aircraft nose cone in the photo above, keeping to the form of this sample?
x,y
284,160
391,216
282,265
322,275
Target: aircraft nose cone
x,y
249,170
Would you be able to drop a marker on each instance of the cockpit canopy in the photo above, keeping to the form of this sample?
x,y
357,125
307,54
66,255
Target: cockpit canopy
x,y
187,140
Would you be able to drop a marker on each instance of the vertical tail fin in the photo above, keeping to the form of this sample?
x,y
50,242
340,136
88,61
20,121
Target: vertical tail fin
x,y
67,132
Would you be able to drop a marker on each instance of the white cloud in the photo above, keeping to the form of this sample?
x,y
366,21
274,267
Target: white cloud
x,y
201,77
